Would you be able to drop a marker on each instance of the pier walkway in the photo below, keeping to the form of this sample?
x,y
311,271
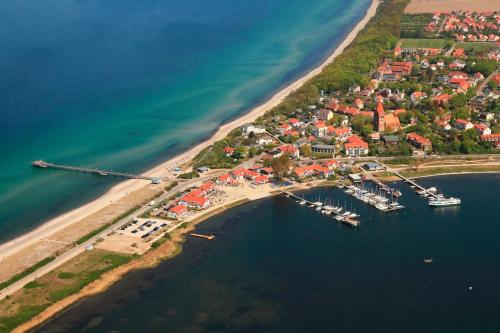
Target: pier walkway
x,y
347,220
47,165
411,182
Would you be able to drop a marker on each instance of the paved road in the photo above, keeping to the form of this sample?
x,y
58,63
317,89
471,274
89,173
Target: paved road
x,y
479,90
73,252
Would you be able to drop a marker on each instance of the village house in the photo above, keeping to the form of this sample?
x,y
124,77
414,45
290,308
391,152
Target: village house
x,y
493,138
355,146
417,96
319,129
288,149
259,180
264,139
340,134
225,180
312,170
419,141
194,201
324,115
330,164
249,128
177,212
482,129
463,124
229,151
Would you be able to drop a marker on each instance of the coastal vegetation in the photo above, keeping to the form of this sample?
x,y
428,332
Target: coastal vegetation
x,y
26,272
56,285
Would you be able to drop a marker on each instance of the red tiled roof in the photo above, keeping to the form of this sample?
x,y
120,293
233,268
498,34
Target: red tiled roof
x,y
179,209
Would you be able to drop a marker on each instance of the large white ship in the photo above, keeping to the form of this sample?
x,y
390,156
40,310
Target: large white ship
x,y
443,202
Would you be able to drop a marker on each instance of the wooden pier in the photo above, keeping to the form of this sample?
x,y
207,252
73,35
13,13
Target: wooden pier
x,y
411,182
47,165
209,237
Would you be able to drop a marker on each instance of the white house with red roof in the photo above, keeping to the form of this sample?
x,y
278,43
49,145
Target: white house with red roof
x,y
482,129
194,201
463,124
177,212
330,164
355,146
319,129
229,151
225,179
259,180
289,149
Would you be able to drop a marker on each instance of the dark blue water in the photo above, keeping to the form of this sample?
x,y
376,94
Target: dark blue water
x,y
276,266
125,84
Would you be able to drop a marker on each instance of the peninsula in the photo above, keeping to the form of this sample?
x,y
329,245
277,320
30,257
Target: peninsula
x,y
411,93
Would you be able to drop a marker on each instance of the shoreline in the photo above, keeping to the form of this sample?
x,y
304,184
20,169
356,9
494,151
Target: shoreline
x,y
162,170
154,257
454,173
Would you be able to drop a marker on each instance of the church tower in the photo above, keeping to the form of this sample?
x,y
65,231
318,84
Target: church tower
x,y
378,117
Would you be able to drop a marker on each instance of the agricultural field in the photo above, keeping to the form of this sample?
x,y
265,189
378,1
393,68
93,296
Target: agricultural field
x,y
412,26
425,43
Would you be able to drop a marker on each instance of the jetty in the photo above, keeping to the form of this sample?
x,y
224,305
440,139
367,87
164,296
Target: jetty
x,y
324,210
414,184
209,237
47,165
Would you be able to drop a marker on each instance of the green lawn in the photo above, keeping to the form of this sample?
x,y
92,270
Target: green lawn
x,y
423,43
477,47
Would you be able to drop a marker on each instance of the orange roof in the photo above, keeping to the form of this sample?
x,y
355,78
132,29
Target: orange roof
x,y
380,108
355,141
418,138
179,209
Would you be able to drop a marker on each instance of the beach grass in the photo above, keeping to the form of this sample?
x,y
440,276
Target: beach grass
x,y
26,272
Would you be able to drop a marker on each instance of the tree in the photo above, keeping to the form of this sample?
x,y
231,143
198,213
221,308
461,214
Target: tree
x,y
281,165
306,150
252,151
458,101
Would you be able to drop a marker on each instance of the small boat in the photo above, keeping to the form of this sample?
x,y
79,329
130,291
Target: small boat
x,y
302,203
432,189
428,261
318,208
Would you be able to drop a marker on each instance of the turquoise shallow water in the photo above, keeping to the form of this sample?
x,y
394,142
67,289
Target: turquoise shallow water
x,y
125,84
275,266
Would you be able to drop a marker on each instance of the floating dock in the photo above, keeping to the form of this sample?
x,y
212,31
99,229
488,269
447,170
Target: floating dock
x,y
209,237
47,165
337,216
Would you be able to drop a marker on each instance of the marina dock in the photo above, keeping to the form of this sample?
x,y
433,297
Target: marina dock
x,y
412,183
338,216
209,237
47,165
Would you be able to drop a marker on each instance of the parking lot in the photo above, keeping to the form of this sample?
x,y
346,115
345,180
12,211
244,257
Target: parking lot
x,y
144,228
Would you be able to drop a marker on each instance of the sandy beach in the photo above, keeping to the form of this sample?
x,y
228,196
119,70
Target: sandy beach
x,y
164,169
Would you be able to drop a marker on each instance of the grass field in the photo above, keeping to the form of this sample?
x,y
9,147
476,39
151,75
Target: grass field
x,y
412,26
411,43
56,285
477,47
